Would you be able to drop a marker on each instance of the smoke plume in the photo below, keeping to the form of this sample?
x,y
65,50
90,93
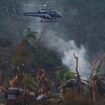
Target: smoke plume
x,y
53,36
66,49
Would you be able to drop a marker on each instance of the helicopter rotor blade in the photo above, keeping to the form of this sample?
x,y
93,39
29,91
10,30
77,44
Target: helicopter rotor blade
x,y
31,5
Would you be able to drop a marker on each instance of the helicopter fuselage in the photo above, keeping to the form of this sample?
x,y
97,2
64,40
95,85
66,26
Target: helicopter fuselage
x,y
44,13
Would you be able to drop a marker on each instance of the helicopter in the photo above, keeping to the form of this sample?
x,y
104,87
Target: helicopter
x,y
46,14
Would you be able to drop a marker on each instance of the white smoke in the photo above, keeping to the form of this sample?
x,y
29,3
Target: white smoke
x,y
69,61
66,49
52,39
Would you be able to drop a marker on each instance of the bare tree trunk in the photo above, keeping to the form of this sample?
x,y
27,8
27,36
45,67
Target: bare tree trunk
x,y
78,75
94,93
93,81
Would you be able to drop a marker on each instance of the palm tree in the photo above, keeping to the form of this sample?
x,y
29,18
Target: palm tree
x,y
64,78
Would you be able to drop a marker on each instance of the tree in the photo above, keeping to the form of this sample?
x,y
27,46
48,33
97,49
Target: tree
x,y
78,75
34,37
63,76
96,81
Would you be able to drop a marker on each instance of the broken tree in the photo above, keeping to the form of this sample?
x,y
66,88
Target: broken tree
x,y
78,75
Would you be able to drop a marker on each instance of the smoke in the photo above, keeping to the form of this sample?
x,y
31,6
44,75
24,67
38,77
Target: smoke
x,y
54,37
69,61
66,50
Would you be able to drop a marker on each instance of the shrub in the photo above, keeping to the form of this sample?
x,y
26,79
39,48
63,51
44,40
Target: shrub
x,y
70,96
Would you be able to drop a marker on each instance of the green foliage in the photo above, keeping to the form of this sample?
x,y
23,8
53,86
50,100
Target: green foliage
x,y
60,74
43,57
64,75
68,75
34,56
